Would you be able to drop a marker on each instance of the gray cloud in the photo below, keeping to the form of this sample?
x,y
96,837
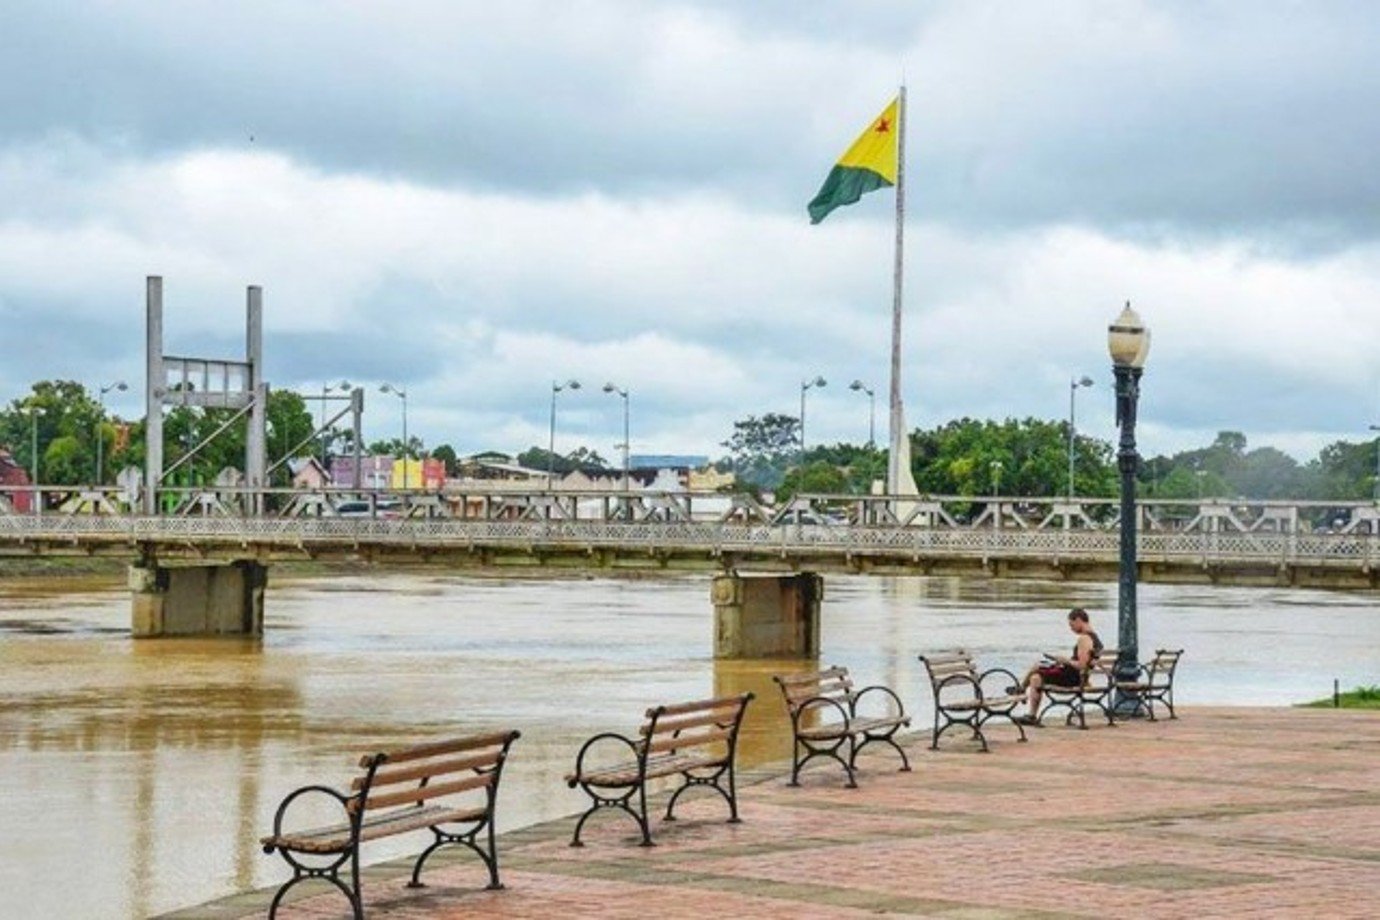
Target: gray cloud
x,y
1145,118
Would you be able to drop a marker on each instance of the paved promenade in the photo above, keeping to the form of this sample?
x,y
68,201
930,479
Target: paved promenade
x,y
1223,813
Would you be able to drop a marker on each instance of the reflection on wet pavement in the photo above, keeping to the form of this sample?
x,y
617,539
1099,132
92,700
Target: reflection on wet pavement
x,y
149,769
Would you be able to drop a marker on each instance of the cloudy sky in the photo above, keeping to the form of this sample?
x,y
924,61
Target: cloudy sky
x,y
471,199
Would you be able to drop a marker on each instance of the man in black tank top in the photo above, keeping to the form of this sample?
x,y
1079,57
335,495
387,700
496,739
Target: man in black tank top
x,y
1063,672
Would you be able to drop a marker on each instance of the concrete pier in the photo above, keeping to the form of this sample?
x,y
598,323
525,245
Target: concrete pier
x,y
201,600
767,616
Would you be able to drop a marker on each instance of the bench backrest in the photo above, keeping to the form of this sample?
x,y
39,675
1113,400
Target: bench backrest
x,y
1164,663
707,725
831,683
941,666
427,772
1101,672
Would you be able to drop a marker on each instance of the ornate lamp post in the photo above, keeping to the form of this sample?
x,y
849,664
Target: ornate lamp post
x,y
100,428
806,386
551,443
1128,342
401,394
615,388
858,386
1074,384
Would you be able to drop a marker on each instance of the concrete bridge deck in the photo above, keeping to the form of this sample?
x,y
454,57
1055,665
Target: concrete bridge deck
x,y
1223,813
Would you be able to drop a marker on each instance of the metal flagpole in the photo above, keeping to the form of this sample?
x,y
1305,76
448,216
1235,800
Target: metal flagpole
x,y
895,456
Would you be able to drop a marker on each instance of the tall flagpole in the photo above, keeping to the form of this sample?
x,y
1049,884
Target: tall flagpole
x,y
894,460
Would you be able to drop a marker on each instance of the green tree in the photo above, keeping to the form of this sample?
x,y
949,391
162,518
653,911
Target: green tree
x,y
816,477
67,418
446,454
761,449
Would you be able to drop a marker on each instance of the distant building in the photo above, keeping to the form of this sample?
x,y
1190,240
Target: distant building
x,y
307,473
374,472
12,474
410,473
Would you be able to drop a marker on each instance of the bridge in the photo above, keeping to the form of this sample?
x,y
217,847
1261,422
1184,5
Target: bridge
x,y
217,543
1332,544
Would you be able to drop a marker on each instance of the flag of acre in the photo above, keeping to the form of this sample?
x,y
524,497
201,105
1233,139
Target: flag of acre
x,y
866,166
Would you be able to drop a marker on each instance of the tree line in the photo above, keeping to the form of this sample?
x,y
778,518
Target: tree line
x,y
961,457
1030,457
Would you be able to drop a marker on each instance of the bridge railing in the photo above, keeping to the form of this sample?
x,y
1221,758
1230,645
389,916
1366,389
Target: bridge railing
x,y
824,512
703,537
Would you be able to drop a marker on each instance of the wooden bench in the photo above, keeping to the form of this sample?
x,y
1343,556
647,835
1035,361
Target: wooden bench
x,y
1154,683
961,699
696,741
813,698
1097,688
433,786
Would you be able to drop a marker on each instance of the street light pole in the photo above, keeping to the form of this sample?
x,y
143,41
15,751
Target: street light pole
x,y
1074,384
806,386
551,441
614,388
35,412
1375,493
401,394
1128,342
857,386
100,428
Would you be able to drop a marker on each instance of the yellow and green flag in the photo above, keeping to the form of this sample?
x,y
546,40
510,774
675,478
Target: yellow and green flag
x,y
866,166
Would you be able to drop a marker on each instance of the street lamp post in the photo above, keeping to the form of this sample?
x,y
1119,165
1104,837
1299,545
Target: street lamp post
x,y
1074,384
35,413
100,428
556,387
326,390
858,386
1128,342
805,387
401,394
1375,493
614,388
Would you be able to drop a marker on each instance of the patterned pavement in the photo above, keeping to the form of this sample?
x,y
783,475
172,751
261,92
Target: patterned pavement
x,y
1222,813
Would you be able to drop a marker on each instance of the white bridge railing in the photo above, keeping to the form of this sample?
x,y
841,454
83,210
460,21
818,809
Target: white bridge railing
x,y
60,533
1283,533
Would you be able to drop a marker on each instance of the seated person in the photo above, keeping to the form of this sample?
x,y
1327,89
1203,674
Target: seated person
x,y
1062,672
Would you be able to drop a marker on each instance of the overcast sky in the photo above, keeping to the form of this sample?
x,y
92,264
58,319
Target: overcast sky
x,y
471,199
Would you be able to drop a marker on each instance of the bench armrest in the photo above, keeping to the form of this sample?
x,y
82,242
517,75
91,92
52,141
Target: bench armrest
x,y
816,702
875,688
344,801
999,672
573,779
937,686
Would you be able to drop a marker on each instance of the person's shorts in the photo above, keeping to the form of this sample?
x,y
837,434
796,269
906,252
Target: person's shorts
x,y
1060,675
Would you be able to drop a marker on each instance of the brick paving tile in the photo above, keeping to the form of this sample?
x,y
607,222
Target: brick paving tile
x,y
1222,813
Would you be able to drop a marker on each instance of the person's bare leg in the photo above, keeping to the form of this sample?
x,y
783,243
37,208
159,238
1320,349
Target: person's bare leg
x,y
1032,699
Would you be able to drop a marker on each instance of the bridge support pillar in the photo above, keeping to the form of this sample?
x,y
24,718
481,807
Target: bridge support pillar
x,y
767,616
202,600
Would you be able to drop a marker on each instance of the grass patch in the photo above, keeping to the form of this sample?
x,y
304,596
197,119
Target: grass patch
x,y
1360,698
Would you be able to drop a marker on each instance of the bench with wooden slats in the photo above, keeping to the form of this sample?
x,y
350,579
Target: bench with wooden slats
x,y
696,741
1096,687
960,697
1154,683
449,787
825,718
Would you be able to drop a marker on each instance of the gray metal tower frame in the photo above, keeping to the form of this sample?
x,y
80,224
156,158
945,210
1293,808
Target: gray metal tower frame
x,y
175,380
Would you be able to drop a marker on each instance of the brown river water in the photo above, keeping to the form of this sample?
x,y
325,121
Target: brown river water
x,y
136,777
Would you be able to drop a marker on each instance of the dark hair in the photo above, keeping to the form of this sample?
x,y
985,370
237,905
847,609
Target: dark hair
x,y
1078,613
